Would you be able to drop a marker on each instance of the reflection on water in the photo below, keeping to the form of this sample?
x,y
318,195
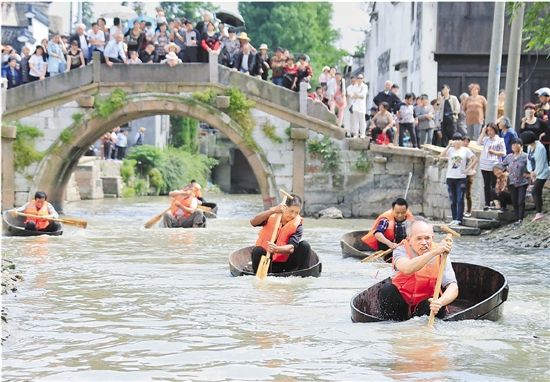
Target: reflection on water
x,y
120,302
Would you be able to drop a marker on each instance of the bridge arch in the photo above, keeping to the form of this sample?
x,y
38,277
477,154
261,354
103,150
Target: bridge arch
x,y
58,164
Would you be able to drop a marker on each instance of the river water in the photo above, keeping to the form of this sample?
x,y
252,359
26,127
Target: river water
x,y
116,302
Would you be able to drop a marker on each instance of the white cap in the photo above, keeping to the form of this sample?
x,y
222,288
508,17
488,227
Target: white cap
x,y
543,91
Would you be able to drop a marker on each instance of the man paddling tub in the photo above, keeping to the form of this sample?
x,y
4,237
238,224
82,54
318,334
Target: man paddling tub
x,y
389,228
289,252
197,190
416,266
40,207
184,212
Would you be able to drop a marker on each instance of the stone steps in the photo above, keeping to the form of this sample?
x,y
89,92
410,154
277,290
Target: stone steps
x,y
481,223
463,230
507,216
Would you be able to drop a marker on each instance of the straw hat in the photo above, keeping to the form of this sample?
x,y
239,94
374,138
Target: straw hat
x,y
243,36
263,46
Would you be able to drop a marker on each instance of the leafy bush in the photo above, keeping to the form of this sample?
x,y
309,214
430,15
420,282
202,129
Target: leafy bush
x,y
128,192
23,147
207,96
156,180
66,135
184,133
106,106
146,156
239,111
327,151
77,118
269,131
141,187
127,170
363,163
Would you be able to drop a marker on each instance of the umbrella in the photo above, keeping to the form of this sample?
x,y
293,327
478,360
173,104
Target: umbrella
x,y
120,11
230,18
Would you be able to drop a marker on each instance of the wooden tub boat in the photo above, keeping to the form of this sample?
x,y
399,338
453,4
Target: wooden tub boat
x,y
240,263
352,246
162,224
14,226
482,291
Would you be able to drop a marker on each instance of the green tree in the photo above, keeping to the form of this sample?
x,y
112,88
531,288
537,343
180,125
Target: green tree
x,y
300,27
184,133
87,13
139,7
187,9
536,26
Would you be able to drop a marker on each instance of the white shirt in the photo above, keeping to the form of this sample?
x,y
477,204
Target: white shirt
x,y
39,66
359,104
115,50
99,36
84,45
457,162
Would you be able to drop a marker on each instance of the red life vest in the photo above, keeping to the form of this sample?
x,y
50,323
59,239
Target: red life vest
x,y
41,224
417,287
369,238
285,232
186,201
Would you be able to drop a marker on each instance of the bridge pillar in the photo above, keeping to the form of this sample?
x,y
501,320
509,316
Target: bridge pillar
x,y
303,98
96,66
299,136
8,167
213,67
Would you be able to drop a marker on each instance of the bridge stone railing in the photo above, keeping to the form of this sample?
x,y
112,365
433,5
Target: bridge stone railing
x,y
193,74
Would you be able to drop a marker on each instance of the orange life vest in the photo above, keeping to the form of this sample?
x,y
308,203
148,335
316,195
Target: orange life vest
x,y
417,287
285,232
186,201
369,238
41,224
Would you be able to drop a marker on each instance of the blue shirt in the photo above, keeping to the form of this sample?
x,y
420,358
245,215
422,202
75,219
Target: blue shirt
x,y
537,162
508,136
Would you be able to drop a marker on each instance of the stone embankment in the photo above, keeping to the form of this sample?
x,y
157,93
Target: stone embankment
x,y
10,278
526,235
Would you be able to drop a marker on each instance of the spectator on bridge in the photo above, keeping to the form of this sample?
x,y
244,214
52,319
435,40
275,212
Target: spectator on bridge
x,y
305,72
501,103
114,51
475,107
394,107
210,42
290,77
437,138
230,48
162,39
134,38
37,65
114,142
387,95
147,56
222,31
24,64
11,73
160,17
134,58
245,61
149,32
448,116
336,94
106,146
75,57
171,59
382,125
542,111
530,122
425,114
57,63
177,35
192,40
102,24
278,64
80,37
96,39
324,77
9,52
262,58
116,28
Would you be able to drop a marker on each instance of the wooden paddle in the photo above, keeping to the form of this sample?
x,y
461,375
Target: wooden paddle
x,y
66,220
450,234
155,219
265,261
378,254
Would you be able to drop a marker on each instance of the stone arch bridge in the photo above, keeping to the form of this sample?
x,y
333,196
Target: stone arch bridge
x,y
60,107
